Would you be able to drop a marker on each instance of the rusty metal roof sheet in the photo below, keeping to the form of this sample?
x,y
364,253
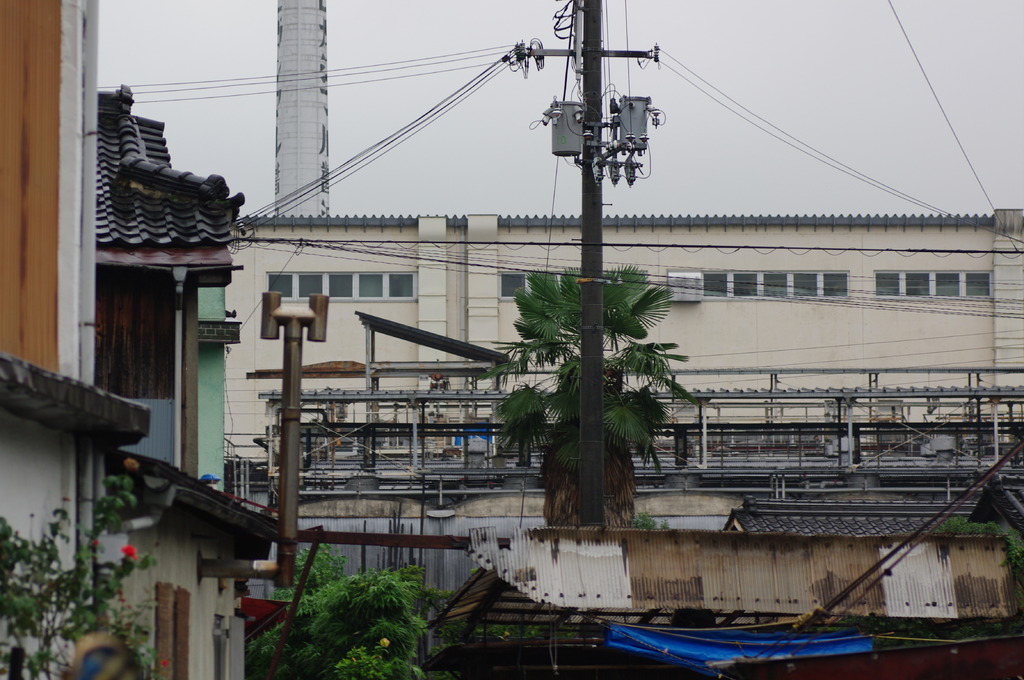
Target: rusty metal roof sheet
x,y
943,577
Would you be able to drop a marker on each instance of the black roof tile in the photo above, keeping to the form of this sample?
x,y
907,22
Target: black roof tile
x,y
1003,498
141,200
836,518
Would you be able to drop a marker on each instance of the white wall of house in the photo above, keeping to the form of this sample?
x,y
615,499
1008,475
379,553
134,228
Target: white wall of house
x,y
858,330
39,470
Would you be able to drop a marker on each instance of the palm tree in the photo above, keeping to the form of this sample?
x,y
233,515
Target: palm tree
x,y
544,415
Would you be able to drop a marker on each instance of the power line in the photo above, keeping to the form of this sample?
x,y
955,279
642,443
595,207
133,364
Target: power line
x,y
498,49
935,95
375,151
798,144
311,87
760,249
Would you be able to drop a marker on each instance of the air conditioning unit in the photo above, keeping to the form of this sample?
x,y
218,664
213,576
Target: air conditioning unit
x,y
686,286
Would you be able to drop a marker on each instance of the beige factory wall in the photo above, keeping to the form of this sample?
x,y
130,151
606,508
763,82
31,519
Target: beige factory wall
x,y
858,331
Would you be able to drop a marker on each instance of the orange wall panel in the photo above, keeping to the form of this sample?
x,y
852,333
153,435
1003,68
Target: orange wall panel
x,y
30,53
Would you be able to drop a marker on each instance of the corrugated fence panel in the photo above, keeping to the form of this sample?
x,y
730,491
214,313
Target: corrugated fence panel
x,y
921,584
944,577
979,580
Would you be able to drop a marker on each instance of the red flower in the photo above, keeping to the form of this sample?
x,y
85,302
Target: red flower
x,y
165,662
130,552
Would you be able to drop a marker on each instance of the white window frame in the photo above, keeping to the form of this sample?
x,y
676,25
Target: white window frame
x,y
932,287
501,280
759,284
355,297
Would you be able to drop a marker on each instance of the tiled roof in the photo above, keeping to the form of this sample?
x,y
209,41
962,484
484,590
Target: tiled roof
x,y
141,200
1002,498
836,518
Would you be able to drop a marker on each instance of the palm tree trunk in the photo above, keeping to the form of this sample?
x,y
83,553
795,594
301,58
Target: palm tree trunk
x,y
562,491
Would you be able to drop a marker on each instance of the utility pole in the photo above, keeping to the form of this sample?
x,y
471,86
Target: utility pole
x,y
577,129
591,466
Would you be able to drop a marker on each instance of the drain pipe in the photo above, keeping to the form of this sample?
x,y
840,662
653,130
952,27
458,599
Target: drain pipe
x,y
294,318
90,130
179,274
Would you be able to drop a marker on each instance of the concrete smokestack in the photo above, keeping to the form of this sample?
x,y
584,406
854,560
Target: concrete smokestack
x,y
301,155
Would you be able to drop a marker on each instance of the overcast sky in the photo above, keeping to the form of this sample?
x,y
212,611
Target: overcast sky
x,y
837,75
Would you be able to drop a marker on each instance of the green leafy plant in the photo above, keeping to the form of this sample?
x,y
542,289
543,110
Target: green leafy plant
x,y
644,521
365,625
360,664
49,600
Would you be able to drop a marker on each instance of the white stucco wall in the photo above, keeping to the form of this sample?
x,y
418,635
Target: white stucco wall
x,y
38,477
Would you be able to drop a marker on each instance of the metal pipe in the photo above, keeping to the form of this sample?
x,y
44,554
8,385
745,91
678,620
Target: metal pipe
x,y
703,435
995,430
179,274
291,414
849,434
293,318
90,130
414,443
414,493
237,568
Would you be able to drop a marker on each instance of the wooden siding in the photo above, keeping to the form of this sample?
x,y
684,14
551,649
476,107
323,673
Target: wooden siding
x,y
30,38
135,332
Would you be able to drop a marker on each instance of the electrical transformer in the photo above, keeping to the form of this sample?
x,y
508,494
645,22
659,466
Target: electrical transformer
x,y
567,129
633,121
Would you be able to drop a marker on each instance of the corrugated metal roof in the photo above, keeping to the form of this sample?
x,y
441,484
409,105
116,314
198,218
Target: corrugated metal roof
x,y
945,577
432,340
649,221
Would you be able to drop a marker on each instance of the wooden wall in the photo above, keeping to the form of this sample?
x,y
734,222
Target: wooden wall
x,y
135,332
29,159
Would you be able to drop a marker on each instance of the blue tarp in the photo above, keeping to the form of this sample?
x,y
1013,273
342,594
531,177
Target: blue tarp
x,y
694,648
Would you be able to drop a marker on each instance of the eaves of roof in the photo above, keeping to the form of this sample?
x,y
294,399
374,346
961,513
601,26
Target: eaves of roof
x,y
62,403
253,532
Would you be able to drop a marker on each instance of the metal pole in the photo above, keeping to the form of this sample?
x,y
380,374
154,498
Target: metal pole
x,y
591,274
414,443
703,435
995,429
